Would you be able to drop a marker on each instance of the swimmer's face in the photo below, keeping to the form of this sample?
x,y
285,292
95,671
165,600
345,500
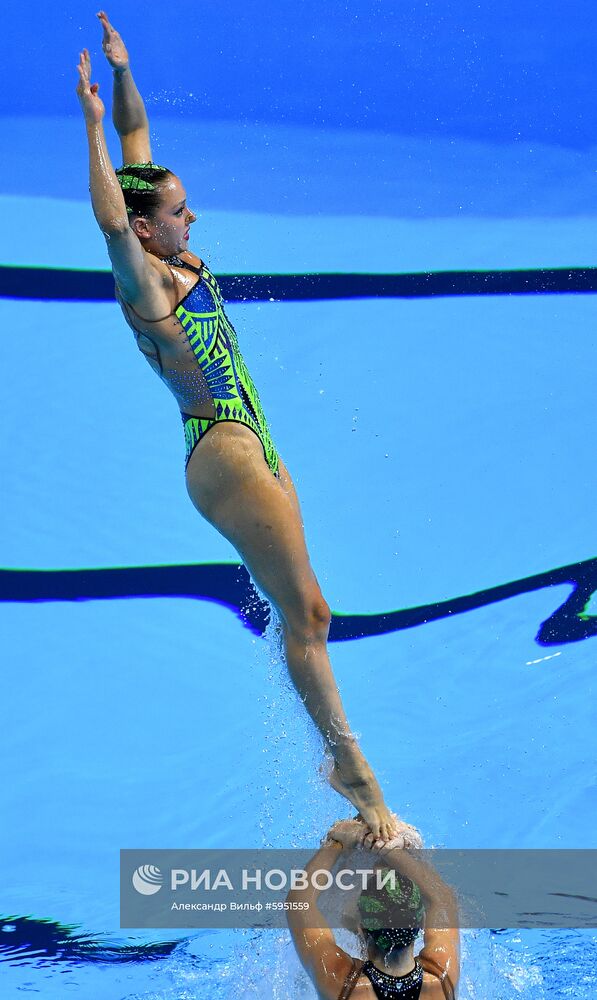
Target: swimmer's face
x,y
166,231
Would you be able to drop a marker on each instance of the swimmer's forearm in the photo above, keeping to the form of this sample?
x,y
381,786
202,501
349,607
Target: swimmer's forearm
x,y
128,109
106,195
324,860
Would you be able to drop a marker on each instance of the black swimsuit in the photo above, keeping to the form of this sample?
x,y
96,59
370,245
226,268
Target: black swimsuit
x,y
385,987
407,987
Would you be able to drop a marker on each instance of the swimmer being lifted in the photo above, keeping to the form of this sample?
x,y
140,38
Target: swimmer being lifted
x,y
234,475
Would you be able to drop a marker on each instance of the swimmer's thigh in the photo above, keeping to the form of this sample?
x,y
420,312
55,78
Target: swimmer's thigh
x,y
234,489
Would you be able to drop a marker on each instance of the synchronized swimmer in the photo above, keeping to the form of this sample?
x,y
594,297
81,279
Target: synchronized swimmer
x,y
234,474
387,919
239,484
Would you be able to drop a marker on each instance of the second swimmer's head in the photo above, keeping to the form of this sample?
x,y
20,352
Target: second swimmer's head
x,y
156,205
391,916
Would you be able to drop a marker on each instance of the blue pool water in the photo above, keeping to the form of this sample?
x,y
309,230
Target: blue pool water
x,y
441,447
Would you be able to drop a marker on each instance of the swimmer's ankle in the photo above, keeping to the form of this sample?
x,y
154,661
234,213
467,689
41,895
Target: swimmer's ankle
x,y
342,742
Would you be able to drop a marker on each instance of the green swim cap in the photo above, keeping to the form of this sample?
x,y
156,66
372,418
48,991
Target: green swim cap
x,y
394,913
140,180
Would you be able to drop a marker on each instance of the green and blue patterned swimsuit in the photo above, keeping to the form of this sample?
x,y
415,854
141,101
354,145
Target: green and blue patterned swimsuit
x,y
202,364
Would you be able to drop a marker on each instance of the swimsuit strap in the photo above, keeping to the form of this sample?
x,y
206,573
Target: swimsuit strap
x,y
351,980
175,261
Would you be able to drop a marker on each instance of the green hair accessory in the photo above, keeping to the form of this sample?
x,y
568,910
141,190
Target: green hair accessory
x,y
129,182
377,908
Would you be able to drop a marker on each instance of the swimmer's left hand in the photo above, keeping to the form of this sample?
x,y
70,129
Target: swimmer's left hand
x,y
348,832
112,44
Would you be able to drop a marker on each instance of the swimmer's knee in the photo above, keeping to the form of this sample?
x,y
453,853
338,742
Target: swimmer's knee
x,y
309,619
320,614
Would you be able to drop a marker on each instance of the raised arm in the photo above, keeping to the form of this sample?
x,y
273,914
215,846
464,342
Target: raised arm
x,y
325,962
128,111
132,266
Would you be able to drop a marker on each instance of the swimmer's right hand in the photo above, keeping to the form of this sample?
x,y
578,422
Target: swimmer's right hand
x,y
87,92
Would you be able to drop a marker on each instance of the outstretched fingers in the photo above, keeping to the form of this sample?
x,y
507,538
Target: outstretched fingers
x,y
112,44
84,66
87,92
105,21
108,29
84,69
83,83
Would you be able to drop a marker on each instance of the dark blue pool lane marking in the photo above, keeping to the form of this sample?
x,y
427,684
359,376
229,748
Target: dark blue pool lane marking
x,y
98,286
229,584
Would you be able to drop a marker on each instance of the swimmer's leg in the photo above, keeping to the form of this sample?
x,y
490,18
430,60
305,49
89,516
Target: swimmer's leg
x,y
233,488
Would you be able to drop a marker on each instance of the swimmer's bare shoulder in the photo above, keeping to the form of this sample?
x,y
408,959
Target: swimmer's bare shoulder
x,y
143,280
189,257
150,286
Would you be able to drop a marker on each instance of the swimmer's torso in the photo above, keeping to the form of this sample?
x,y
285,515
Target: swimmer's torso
x,y
194,350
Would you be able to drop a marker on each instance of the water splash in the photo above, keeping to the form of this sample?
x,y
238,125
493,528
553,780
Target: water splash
x,y
298,804
296,807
